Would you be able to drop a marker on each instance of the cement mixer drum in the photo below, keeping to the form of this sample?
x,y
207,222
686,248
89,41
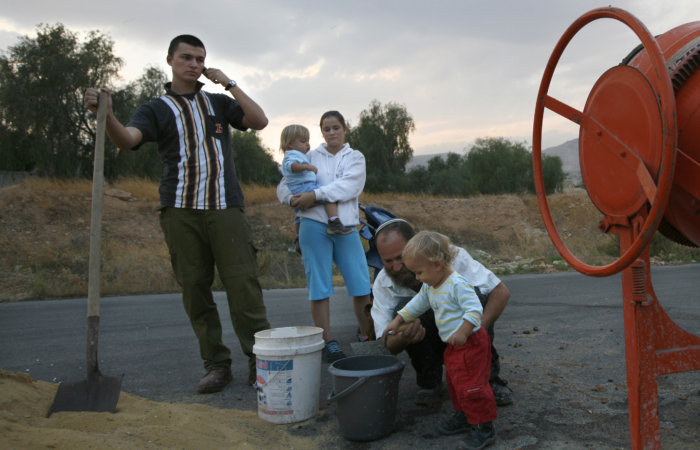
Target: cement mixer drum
x,y
681,49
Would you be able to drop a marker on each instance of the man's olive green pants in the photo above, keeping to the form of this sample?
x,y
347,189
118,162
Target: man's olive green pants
x,y
198,240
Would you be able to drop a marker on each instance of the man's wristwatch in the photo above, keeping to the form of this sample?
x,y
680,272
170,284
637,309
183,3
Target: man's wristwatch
x,y
229,85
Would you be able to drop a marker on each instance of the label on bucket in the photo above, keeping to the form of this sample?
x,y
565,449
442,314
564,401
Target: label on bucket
x,y
275,381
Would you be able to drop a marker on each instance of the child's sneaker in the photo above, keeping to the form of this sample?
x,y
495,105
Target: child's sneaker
x,y
455,424
480,436
335,226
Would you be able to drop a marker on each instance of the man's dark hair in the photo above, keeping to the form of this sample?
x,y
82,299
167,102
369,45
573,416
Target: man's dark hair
x,y
186,39
404,229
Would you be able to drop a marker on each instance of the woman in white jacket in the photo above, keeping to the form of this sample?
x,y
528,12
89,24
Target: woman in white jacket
x,y
341,174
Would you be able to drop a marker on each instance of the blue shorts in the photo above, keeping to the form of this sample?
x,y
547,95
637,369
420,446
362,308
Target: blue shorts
x,y
301,188
320,250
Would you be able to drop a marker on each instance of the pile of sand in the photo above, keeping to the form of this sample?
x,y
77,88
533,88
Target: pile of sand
x,y
137,423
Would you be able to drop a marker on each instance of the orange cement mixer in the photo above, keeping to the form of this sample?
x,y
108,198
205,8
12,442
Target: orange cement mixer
x,y
639,149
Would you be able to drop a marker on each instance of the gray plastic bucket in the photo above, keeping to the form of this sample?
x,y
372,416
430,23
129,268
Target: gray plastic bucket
x,y
366,389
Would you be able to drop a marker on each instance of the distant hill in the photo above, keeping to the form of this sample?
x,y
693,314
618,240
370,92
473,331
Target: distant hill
x,y
422,160
568,152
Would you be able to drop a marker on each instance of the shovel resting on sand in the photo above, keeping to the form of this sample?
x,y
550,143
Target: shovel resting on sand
x,y
97,393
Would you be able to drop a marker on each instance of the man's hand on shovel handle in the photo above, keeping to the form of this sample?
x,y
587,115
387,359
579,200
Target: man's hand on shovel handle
x,y
91,97
124,138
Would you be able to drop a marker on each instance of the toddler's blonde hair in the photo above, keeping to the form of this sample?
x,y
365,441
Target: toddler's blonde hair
x,y
292,132
431,245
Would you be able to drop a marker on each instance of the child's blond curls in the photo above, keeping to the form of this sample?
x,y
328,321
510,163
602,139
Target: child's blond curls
x,y
290,133
432,246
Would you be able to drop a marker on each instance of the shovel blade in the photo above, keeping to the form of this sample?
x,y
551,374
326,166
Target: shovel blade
x,y
98,393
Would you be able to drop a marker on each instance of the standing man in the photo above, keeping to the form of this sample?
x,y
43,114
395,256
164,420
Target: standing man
x,y
201,203
396,285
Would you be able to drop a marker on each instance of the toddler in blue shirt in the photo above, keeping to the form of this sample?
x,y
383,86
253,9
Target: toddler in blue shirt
x,y
300,175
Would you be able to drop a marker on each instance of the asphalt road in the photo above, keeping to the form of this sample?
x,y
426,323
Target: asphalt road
x,y
555,372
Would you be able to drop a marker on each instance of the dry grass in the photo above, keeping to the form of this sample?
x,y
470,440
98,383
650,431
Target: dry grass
x,y
52,184
261,194
367,198
255,193
139,188
45,226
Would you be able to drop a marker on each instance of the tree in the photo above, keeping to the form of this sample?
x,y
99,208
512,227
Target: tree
x,y
382,136
42,116
492,166
450,176
501,166
553,174
254,163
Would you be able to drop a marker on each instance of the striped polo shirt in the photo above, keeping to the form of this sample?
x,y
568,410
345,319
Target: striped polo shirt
x,y
193,140
453,302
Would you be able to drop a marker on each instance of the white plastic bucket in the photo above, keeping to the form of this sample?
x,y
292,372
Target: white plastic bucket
x,y
288,362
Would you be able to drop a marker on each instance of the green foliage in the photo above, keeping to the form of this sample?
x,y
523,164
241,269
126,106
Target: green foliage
x,y
501,166
492,166
43,121
552,174
382,136
254,163
45,127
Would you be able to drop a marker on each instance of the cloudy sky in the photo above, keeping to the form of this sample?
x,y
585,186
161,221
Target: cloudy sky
x,y
463,69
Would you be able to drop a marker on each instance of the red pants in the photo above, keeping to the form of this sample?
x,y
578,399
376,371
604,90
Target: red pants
x,y
468,367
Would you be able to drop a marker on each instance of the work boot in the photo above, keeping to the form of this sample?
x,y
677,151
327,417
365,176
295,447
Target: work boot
x,y
429,397
501,391
215,380
332,352
480,436
455,424
335,226
252,378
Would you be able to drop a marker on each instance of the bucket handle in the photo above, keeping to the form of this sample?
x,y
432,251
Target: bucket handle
x,y
352,387
258,387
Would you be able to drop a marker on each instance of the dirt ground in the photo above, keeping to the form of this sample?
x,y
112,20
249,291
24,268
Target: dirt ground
x,y
137,423
44,236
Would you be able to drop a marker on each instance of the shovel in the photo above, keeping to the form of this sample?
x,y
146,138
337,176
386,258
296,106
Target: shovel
x,y
97,393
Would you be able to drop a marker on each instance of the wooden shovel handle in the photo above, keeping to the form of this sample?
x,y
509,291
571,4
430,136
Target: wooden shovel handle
x,y
96,222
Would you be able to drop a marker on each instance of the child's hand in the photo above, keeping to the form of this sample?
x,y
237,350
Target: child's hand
x,y
393,327
458,338
313,168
